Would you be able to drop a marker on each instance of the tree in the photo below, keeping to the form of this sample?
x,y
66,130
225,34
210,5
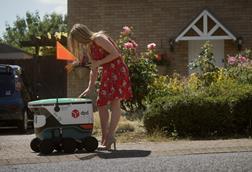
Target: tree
x,y
32,25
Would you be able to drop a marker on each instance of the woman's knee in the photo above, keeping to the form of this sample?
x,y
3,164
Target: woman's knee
x,y
116,105
102,109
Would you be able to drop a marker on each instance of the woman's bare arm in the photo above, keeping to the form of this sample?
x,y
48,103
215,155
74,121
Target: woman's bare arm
x,y
92,77
93,72
108,46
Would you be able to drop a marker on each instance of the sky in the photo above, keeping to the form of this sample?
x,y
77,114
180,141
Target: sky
x,y
9,9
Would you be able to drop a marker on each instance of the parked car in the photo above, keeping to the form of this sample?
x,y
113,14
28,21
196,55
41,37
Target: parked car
x,y
13,99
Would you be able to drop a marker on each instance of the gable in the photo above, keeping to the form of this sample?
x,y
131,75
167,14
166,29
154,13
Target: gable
x,y
205,27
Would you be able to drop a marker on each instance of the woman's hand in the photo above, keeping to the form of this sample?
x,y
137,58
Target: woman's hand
x,y
95,64
85,93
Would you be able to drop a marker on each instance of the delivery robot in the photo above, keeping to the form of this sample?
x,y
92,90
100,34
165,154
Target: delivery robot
x,y
63,124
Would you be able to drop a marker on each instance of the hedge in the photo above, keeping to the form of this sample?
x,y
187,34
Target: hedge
x,y
202,115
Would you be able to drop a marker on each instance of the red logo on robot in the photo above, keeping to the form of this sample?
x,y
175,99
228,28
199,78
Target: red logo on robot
x,y
75,113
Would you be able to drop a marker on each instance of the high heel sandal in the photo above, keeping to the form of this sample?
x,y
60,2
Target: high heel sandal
x,y
101,146
110,141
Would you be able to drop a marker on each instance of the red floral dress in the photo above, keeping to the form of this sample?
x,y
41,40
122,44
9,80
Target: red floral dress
x,y
115,82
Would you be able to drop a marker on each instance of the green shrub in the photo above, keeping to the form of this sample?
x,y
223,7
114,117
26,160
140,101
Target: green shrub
x,y
212,102
200,115
242,74
164,86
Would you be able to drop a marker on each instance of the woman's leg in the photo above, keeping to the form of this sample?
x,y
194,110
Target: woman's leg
x,y
115,117
104,117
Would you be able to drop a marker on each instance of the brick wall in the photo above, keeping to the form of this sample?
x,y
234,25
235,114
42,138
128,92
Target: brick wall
x,y
230,48
160,20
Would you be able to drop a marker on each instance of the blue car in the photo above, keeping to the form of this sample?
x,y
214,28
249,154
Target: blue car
x,y
13,106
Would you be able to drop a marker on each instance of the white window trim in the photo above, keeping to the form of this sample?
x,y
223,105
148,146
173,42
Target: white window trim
x,y
205,35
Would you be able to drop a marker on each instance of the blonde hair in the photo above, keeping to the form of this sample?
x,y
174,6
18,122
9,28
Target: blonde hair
x,y
80,36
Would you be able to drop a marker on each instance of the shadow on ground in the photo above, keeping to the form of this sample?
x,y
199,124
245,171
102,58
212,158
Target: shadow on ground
x,y
14,131
117,154
104,154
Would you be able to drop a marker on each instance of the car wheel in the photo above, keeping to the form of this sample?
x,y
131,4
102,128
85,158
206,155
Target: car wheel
x,y
23,124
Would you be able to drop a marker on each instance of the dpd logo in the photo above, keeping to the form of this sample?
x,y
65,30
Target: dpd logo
x,y
75,113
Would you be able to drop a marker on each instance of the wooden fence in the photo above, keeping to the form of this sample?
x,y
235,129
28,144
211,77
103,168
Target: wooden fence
x,y
44,77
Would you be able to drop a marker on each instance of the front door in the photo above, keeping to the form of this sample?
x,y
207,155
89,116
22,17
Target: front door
x,y
194,49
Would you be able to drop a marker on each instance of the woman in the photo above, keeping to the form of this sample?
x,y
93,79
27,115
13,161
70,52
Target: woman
x,y
114,84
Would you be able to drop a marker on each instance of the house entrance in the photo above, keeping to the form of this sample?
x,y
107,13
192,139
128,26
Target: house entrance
x,y
205,27
194,49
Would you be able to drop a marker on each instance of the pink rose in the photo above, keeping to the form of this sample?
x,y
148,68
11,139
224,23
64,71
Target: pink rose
x,y
134,43
126,30
232,60
151,46
129,45
242,59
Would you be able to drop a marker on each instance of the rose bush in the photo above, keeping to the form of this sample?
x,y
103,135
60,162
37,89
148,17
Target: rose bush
x,y
142,70
152,54
239,66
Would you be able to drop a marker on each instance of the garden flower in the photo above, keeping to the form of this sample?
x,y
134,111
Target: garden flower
x,y
151,46
231,60
129,45
242,59
126,30
134,43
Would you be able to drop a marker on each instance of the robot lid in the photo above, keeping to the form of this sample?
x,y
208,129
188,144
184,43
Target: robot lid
x,y
59,101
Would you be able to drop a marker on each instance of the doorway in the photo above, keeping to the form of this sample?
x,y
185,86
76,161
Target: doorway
x,y
194,49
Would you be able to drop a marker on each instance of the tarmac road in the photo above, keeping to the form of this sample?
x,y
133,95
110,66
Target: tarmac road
x,y
231,162
182,155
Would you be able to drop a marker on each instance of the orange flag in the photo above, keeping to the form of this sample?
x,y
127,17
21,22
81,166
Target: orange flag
x,y
63,53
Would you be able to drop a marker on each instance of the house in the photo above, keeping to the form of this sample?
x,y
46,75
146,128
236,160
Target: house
x,y
179,28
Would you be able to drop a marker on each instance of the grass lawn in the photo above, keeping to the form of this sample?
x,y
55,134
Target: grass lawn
x,y
129,131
